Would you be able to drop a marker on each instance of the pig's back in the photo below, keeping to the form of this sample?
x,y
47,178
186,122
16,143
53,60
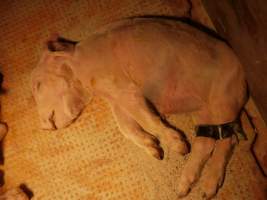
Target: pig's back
x,y
175,65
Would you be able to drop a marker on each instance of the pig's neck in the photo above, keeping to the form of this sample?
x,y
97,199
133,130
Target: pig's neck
x,y
96,72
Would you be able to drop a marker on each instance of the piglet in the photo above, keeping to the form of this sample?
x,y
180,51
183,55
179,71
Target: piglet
x,y
147,68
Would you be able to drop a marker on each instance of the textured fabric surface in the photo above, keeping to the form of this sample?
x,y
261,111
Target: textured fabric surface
x,y
91,159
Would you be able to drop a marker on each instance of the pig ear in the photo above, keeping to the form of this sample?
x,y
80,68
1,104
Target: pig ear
x,y
57,43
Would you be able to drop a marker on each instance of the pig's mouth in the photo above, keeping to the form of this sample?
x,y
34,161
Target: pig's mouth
x,y
48,123
52,123
51,120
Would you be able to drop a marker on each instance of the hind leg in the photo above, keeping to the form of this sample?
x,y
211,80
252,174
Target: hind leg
x,y
204,148
201,150
217,166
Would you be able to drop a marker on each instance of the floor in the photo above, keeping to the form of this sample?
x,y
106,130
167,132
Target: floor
x,y
91,160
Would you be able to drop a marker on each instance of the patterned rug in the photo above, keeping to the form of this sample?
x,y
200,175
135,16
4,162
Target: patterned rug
x,y
91,160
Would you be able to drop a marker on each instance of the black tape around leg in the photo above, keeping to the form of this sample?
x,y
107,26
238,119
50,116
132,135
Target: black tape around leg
x,y
216,131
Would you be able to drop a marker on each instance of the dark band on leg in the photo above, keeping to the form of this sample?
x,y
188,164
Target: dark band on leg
x,y
221,131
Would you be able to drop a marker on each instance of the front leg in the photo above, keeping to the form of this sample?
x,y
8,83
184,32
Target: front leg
x,y
134,132
135,105
213,143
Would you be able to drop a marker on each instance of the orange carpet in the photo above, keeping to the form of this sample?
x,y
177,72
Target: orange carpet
x,y
91,160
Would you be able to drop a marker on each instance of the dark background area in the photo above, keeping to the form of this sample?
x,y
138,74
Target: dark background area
x,y
244,24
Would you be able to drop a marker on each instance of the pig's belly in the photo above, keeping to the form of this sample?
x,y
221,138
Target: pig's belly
x,y
173,99
172,105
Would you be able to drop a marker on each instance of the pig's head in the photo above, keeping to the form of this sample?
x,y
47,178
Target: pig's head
x,y
58,94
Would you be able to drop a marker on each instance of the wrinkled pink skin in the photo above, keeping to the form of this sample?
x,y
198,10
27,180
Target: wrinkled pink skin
x,y
174,66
